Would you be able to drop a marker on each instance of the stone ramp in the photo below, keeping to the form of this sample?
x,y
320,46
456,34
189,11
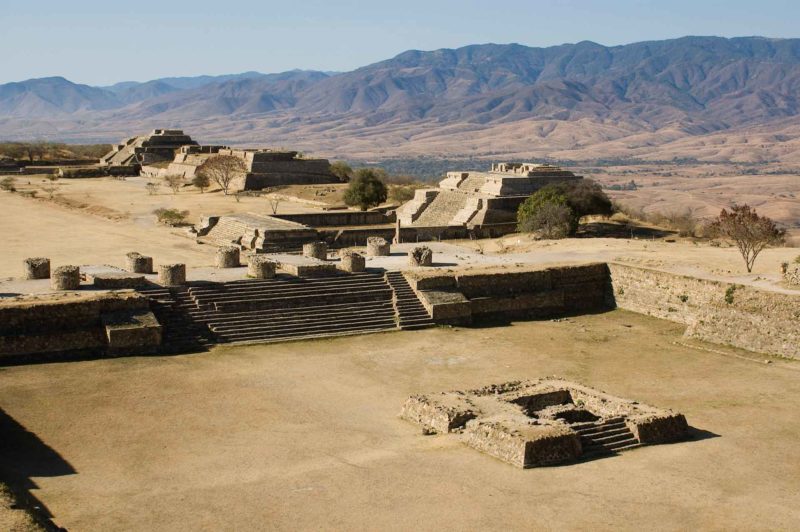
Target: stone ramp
x,y
285,308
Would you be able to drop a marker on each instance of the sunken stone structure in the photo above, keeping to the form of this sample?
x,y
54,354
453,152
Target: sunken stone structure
x,y
158,146
477,199
420,256
66,278
137,263
37,268
172,274
544,422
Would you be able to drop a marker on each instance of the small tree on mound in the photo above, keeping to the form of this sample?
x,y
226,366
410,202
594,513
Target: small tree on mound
x,y
9,184
201,182
222,170
175,182
548,213
171,216
750,232
341,170
367,188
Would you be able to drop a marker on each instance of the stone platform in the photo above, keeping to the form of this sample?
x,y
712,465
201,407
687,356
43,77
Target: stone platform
x,y
544,422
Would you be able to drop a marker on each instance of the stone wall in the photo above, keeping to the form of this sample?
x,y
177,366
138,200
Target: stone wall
x,y
339,219
44,327
718,312
459,296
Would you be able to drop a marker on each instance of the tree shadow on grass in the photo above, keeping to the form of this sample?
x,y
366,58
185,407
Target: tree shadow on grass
x,y
23,455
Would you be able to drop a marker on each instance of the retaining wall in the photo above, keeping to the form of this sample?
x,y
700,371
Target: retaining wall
x,y
718,312
33,328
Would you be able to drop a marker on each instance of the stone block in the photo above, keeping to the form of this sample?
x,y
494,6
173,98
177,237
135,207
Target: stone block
x,y
37,268
420,256
131,332
66,278
524,446
228,257
172,274
118,281
137,263
378,246
316,250
261,267
352,262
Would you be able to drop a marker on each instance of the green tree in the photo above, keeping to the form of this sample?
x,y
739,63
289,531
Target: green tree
x,y
548,212
342,170
367,188
201,181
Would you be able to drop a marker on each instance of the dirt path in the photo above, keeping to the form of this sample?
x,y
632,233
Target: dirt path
x,y
306,436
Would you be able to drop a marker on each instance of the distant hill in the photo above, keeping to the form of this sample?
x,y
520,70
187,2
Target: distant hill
x,y
573,100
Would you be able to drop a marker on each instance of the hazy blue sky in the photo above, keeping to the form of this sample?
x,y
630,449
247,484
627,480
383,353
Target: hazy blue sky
x,y
102,42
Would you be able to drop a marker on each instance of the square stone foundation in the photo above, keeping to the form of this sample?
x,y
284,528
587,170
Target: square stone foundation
x,y
544,422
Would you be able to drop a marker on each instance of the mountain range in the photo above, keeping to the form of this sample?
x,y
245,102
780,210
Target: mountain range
x,y
708,98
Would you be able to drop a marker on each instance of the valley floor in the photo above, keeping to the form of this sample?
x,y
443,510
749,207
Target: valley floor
x,y
307,436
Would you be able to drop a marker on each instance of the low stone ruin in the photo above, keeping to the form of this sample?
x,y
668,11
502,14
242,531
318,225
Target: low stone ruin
x,y
138,263
227,257
351,261
172,274
420,256
377,246
544,422
37,268
66,278
118,280
260,267
316,250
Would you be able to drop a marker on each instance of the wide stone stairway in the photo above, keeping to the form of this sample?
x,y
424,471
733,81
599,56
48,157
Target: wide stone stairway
x,y
611,436
441,211
285,308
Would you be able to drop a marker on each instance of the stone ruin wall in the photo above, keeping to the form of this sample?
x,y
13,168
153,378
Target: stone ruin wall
x,y
713,311
42,328
457,297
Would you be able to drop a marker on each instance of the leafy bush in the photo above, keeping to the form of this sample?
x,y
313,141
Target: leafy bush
x,y
171,216
8,184
367,188
174,181
400,194
201,182
342,170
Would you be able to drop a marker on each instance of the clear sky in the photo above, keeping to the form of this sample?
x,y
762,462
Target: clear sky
x,y
102,42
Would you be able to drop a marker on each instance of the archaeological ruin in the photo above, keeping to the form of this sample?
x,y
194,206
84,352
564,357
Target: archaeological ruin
x,y
480,199
158,146
544,422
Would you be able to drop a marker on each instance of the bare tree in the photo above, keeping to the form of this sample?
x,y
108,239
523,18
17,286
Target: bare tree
x,y
152,188
750,232
222,170
174,181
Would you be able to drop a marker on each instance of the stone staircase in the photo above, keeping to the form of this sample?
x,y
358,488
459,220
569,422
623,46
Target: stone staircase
x,y
473,183
412,315
226,232
183,327
441,211
608,437
284,308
